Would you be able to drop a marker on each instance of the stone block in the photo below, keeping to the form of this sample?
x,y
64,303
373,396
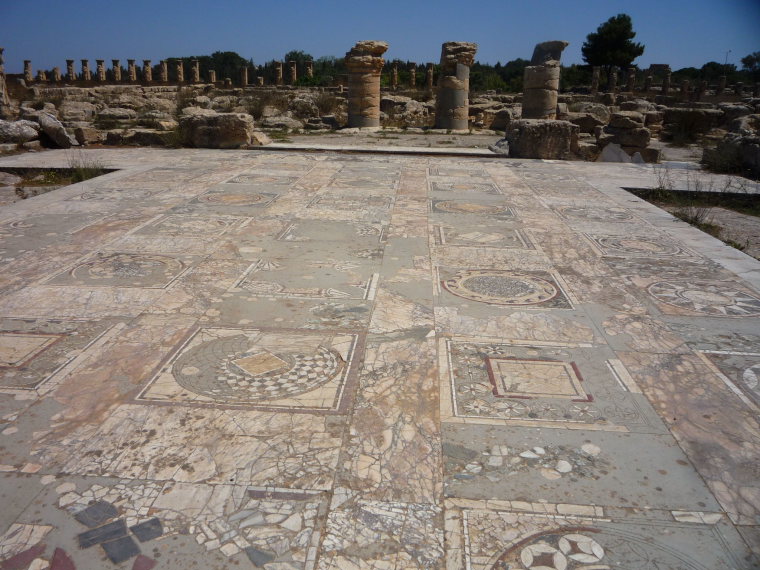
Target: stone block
x,y
219,130
538,138
626,120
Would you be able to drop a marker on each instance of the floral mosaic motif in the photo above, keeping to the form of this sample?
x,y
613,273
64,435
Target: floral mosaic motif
x,y
505,288
237,198
263,179
636,246
483,237
707,298
351,203
467,207
465,186
594,214
184,225
145,270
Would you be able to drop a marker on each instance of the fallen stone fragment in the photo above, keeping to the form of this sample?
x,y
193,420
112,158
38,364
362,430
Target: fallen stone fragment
x,y
147,530
111,531
96,514
121,549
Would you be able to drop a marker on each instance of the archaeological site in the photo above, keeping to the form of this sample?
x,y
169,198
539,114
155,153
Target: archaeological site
x,y
371,313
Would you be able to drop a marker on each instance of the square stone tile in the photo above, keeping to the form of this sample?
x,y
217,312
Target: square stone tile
x,y
125,269
32,351
543,386
266,369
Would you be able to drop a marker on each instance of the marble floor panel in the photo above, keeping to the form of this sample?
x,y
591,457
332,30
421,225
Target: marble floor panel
x,y
330,360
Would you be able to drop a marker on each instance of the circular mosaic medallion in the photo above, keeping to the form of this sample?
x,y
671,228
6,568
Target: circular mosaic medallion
x,y
235,199
637,246
751,378
500,287
454,207
706,298
229,369
128,266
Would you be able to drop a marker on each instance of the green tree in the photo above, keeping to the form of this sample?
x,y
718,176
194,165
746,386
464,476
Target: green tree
x,y
751,63
611,46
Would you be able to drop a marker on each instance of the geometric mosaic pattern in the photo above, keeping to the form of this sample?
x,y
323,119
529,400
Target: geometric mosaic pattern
x,y
636,246
594,214
465,186
482,237
497,211
707,298
265,369
506,288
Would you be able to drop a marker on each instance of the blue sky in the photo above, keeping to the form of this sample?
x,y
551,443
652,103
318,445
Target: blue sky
x,y
681,33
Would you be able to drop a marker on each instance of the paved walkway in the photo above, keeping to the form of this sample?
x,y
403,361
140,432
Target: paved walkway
x,y
239,359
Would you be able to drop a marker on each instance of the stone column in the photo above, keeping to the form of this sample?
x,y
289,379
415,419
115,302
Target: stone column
x,y
293,70
701,90
70,73
365,63
631,84
260,81
28,74
163,71
647,84
721,85
541,81
595,73
429,77
132,70
666,84
451,103
685,89
612,87
739,88
57,74
394,77
195,71
116,69
212,76
278,73
41,76
147,71
413,76
227,82
100,70
86,73
4,98
244,76
180,69
310,69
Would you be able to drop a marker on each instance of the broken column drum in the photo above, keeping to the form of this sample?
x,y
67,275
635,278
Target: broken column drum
x,y
452,101
56,74
364,64
541,81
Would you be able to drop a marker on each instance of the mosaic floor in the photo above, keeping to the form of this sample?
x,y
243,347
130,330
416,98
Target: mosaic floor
x,y
291,360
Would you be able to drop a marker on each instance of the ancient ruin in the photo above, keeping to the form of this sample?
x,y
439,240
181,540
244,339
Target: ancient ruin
x,y
451,110
541,81
364,63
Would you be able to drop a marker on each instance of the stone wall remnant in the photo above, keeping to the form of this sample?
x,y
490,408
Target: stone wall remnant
x,y
452,102
364,63
541,81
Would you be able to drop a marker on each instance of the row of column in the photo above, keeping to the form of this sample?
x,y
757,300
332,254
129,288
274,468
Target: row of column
x,y
147,72
686,89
